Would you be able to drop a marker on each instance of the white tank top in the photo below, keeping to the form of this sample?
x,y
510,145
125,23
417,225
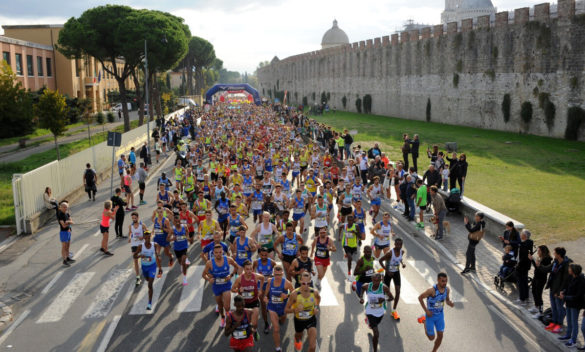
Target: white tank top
x,y
393,265
136,235
265,235
320,215
385,231
149,254
372,306
376,191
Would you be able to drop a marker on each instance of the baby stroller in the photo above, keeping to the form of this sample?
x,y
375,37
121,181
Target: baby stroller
x,y
453,201
509,276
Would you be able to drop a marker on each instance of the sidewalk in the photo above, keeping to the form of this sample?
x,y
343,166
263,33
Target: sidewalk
x,y
12,153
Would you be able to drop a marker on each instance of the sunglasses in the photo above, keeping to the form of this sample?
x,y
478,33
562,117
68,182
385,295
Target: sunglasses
x,y
304,283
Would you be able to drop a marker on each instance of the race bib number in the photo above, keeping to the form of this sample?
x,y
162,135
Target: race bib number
x,y
298,210
221,280
290,247
370,272
304,314
248,294
158,232
240,334
321,253
184,222
276,299
242,255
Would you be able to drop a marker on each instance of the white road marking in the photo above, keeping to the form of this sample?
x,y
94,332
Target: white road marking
x,y
51,283
528,339
107,295
14,325
430,277
109,333
97,233
4,245
139,307
342,264
83,248
192,294
65,299
408,294
327,296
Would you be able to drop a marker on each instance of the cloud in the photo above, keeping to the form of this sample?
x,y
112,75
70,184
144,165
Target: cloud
x,y
246,32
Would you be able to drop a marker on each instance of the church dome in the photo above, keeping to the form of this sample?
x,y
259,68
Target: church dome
x,y
475,4
334,37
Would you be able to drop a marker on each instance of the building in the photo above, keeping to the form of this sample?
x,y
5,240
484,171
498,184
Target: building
x,y
33,64
78,78
335,36
176,79
457,10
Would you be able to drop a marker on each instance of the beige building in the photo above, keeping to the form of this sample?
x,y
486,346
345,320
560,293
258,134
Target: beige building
x,y
32,63
80,78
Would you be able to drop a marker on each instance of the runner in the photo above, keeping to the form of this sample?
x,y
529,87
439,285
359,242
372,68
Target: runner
x,y
345,201
376,293
300,265
247,285
180,245
349,236
242,248
364,270
434,319
290,242
382,232
207,229
235,221
297,204
136,232
128,190
141,175
359,216
189,180
322,247
179,173
207,251
150,259
257,199
264,234
238,326
222,206
65,223
392,266
276,298
217,272
163,195
188,219
374,194
319,214
161,229
304,304
200,206
107,214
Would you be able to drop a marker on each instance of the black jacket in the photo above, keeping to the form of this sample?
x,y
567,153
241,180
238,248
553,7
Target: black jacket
x,y
559,275
414,146
575,292
541,271
453,167
120,203
432,178
524,249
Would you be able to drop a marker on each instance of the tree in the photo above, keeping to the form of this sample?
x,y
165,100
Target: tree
x,y
201,55
84,106
51,111
16,113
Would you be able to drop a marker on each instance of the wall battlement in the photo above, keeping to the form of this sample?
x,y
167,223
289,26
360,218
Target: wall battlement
x,y
465,69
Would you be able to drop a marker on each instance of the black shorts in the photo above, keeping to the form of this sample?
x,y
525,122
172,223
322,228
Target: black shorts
x,y
350,250
288,258
345,211
381,246
127,189
252,305
305,324
191,234
158,152
423,207
374,321
180,253
259,178
392,276
142,186
213,176
134,249
303,168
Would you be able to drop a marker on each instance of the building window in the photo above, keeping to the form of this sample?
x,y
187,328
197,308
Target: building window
x,y
29,65
18,59
49,67
39,66
6,57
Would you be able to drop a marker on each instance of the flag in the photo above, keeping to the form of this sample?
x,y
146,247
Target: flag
x,y
100,76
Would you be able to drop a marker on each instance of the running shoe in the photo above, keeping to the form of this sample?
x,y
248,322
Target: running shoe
x,y
367,321
187,261
353,286
128,209
142,202
421,319
550,326
298,345
149,307
138,281
557,329
134,207
256,336
395,315
565,338
159,275
108,253
216,309
71,260
66,263
185,283
570,344
222,323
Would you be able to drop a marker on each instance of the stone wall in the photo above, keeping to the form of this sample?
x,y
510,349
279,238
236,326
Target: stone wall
x,y
464,70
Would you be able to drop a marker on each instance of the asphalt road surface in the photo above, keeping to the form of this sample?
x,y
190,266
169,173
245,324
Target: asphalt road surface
x,y
95,306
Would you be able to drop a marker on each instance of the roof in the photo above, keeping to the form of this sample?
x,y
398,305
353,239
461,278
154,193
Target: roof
x,y
32,26
475,4
9,40
334,36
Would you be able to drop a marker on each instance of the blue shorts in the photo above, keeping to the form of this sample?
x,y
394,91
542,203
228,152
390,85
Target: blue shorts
x,y
219,289
277,308
361,227
65,236
247,195
149,271
161,240
257,212
297,217
295,173
376,201
437,321
313,193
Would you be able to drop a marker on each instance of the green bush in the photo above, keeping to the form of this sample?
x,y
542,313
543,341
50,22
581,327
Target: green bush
x,y
526,112
506,107
344,102
575,119
110,116
100,118
429,110
367,103
549,114
358,105
456,80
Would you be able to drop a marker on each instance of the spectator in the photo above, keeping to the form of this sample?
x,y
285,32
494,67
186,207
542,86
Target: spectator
x,y
50,202
432,176
132,156
118,202
440,162
574,296
65,222
385,160
557,281
440,211
410,197
374,151
414,147
421,201
141,176
524,265
511,237
348,140
540,276
405,150
90,181
121,167
144,155
462,171
476,232
434,153
453,171
508,262
363,165
340,145
445,178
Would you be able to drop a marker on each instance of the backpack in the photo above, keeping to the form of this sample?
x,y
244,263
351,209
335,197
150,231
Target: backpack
x,y
89,177
546,317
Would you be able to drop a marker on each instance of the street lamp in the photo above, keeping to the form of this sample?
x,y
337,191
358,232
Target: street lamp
x,y
164,40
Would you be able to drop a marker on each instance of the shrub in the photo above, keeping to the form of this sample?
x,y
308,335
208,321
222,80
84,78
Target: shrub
x,y
367,103
323,98
549,114
456,80
358,105
526,112
100,118
506,106
110,116
575,119
328,96
344,102
429,110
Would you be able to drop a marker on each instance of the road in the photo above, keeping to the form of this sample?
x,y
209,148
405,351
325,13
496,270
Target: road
x,y
94,305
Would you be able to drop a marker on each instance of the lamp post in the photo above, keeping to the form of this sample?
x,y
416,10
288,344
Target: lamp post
x,y
146,98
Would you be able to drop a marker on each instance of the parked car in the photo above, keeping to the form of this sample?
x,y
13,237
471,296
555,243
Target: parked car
x,y
118,107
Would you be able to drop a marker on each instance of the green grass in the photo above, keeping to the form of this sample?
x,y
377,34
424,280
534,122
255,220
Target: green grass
x,y
535,180
37,133
36,160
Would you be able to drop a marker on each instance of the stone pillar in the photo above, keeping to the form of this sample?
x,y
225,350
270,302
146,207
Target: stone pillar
x,y
369,43
438,30
502,19
451,27
355,45
404,37
566,8
385,40
542,12
426,33
362,44
483,21
377,42
394,39
521,15
414,35
467,25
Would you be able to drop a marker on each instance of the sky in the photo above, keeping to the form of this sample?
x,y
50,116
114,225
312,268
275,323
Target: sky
x,y
246,32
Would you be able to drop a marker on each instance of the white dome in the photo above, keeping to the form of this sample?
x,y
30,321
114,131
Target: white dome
x,y
334,37
475,4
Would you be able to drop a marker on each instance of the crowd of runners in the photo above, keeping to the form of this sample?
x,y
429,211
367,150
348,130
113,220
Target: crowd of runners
x,y
305,203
